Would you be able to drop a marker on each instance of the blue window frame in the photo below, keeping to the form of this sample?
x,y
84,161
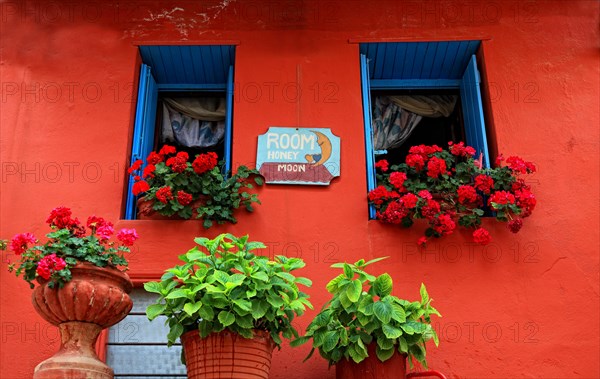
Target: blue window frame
x,y
451,65
180,69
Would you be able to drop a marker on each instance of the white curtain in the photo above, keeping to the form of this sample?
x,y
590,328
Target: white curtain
x,y
395,117
193,122
427,106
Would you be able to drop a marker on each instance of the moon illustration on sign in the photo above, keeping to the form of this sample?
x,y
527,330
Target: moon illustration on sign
x,y
325,145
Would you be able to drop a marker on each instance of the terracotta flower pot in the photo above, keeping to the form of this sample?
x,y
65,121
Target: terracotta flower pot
x,y
227,355
373,368
96,298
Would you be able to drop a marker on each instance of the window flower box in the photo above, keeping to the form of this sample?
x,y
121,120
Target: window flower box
x,y
173,187
449,188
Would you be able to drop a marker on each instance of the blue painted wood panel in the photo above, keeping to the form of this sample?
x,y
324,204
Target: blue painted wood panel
x,y
366,100
377,84
189,64
143,130
228,120
418,60
470,96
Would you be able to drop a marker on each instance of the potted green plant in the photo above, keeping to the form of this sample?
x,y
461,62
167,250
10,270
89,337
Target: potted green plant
x,y
79,287
364,329
229,306
172,186
449,188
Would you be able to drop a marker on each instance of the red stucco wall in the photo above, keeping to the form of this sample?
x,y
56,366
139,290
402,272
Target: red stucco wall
x,y
525,306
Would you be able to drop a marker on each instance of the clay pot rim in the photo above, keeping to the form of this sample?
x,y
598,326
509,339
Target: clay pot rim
x,y
256,332
349,360
109,272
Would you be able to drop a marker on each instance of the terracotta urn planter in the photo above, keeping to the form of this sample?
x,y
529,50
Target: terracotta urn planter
x,y
96,298
227,355
373,368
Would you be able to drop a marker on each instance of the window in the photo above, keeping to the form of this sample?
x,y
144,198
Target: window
x,y
443,72
137,348
185,98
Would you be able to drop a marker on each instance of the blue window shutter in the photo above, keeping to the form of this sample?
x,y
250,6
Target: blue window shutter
x,y
228,120
366,99
143,130
470,96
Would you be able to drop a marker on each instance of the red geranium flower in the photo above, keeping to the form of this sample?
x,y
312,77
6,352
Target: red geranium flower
x,y
19,242
409,200
149,171
520,185
184,198
394,213
525,200
127,236
94,221
154,158
482,236
517,164
425,151
50,264
416,161
60,217
418,149
135,166
425,194
178,163
433,149
431,209
467,195
436,167
383,165
484,183
164,194
515,225
166,150
380,194
501,198
443,224
499,160
460,150
397,180
204,162
103,232
139,187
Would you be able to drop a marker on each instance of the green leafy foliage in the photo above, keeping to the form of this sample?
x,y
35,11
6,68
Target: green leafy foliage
x,y
221,284
348,322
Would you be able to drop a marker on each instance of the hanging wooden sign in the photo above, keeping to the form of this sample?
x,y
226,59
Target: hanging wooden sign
x,y
309,156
